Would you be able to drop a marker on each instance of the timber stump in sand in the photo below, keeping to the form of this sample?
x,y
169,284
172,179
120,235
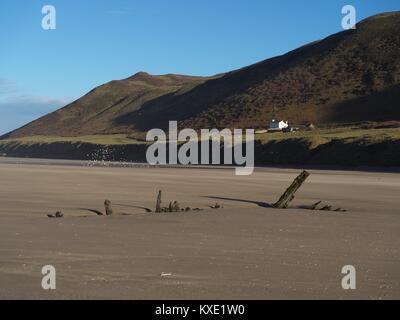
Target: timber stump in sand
x,y
107,206
158,204
288,196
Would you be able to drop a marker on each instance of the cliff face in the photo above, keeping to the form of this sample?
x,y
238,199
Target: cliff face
x,y
288,152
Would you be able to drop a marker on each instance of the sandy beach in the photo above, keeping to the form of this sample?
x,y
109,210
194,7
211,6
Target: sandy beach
x,y
243,251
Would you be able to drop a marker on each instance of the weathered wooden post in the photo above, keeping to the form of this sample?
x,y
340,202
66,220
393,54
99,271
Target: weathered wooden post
x,y
107,205
158,204
315,205
59,214
176,207
288,196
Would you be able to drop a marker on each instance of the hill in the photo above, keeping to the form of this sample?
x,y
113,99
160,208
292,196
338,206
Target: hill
x,y
351,76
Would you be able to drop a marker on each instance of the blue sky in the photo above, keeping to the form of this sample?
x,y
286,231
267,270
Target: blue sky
x,y
100,40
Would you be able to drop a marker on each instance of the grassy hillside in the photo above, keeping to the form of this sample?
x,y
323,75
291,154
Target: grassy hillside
x,y
319,136
114,139
345,134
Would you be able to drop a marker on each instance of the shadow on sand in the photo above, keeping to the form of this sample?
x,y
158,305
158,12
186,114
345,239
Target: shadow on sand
x,y
99,213
129,206
258,203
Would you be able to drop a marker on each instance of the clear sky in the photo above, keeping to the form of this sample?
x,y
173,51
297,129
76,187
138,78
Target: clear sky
x,y
100,40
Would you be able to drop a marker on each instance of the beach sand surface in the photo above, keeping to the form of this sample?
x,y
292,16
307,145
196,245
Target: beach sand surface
x,y
243,251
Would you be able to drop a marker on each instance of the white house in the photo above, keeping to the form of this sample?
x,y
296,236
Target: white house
x,y
275,125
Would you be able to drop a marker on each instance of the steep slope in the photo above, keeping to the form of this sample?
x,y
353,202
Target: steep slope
x,y
350,76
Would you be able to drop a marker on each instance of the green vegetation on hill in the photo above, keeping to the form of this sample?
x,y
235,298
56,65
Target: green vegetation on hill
x,y
344,134
114,139
317,137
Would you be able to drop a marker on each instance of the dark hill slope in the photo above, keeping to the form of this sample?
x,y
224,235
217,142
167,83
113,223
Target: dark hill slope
x,y
321,82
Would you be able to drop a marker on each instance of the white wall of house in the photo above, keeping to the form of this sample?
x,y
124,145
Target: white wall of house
x,y
278,125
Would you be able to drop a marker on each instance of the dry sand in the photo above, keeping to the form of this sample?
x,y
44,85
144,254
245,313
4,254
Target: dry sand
x,y
243,251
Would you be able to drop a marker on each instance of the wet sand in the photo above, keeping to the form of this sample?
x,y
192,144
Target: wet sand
x,y
244,251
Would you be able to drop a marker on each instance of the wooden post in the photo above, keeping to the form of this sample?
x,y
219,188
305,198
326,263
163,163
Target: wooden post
x,y
59,214
315,205
176,207
158,204
107,205
288,196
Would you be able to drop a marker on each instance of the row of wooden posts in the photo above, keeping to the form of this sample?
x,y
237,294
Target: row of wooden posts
x,y
172,207
282,203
